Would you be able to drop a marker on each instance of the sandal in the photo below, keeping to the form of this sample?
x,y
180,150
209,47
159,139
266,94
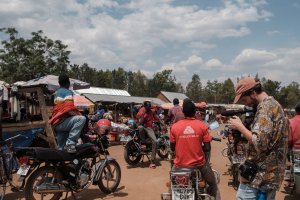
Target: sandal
x,y
152,166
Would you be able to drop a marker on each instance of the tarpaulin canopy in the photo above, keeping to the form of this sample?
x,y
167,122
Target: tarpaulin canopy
x,y
200,104
51,81
82,102
168,106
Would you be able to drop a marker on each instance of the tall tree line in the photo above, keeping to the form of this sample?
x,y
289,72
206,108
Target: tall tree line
x,y
24,59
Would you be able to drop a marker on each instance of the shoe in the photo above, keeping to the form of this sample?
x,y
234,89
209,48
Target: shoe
x,y
70,148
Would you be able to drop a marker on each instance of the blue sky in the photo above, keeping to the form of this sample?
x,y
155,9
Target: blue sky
x,y
212,38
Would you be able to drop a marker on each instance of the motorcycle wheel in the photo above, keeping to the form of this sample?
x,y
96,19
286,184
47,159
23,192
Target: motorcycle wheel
x,y
37,178
131,153
225,152
297,184
110,177
163,152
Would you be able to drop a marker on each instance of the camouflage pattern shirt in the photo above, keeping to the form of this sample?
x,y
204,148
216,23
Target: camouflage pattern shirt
x,y
270,127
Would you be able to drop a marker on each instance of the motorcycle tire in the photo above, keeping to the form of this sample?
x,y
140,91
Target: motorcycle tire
x,y
131,153
163,152
297,184
235,175
36,177
110,172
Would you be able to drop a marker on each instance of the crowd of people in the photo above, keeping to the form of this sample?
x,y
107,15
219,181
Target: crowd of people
x,y
271,135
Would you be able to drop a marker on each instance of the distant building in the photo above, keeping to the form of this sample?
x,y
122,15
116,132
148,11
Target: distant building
x,y
169,96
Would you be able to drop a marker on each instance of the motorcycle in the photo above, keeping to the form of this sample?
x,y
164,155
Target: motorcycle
x,y
133,153
235,152
295,171
236,143
188,183
65,172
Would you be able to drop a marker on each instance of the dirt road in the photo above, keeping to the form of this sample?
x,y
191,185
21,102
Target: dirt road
x,y
143,183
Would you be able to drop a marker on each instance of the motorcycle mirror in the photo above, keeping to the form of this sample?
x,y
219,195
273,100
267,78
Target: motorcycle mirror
x,y
213,125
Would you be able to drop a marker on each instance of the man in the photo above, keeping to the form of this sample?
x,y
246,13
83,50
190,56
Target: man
x,y
267,140
175,114
294,136
186,138
66,118
145,118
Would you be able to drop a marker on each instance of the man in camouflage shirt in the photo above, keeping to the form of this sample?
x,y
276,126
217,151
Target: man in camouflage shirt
x,y
267,140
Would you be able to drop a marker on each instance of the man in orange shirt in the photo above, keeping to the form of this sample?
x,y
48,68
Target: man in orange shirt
x,y
294,135
186,138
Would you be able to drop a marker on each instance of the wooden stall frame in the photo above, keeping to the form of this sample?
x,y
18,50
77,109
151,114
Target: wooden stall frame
x,y
20,126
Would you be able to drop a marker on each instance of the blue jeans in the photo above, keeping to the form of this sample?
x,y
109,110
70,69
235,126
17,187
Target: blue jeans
x,y
246,192
68,132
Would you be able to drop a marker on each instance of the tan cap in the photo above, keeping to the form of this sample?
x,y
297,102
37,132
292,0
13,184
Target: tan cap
x,y
244,85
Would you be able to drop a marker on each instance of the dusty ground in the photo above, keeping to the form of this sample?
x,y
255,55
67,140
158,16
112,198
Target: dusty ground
x,y
142,183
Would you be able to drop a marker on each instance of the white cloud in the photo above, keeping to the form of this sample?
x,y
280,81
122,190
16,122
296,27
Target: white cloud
x,y
154,35
213,63
248,56
271,33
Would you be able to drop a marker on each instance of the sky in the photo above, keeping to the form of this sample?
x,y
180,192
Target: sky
x,y
212,38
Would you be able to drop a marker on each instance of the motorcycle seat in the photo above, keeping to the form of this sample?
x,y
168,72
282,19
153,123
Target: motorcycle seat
x,y
48,154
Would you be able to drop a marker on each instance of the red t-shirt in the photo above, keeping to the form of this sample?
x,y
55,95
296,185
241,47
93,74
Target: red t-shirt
x,y
189,134
149,117
294,135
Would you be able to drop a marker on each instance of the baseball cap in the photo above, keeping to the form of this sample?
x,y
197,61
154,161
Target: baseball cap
x,y
244,85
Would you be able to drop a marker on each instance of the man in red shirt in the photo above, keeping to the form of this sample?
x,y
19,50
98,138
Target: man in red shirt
x,y
145,118
294,135
186,139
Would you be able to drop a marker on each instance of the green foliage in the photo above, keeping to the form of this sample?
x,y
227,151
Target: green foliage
x,y
194,89
24,59
162,81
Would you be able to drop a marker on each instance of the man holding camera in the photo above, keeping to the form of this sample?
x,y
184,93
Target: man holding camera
x,y
263,171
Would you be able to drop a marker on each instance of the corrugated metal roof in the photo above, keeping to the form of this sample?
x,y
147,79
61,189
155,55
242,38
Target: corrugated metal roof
x,y
107,91
121,99
172,95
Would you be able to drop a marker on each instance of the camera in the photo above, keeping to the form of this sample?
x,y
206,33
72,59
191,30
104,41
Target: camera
x,y
248,170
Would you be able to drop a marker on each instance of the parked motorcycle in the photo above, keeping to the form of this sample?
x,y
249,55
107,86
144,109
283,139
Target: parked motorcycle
x,y
295,171
133,153
188,183
235,152
65,172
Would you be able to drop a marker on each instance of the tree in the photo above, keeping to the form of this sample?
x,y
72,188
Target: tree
x,y
24,59
162,81
226,92
289,96
271,87
137,84
211,91
194,89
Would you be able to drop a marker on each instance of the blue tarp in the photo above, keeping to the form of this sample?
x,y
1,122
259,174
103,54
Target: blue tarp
x,y
23,141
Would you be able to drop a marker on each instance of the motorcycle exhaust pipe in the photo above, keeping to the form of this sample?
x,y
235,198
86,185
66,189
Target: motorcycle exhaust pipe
x,y
50,188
